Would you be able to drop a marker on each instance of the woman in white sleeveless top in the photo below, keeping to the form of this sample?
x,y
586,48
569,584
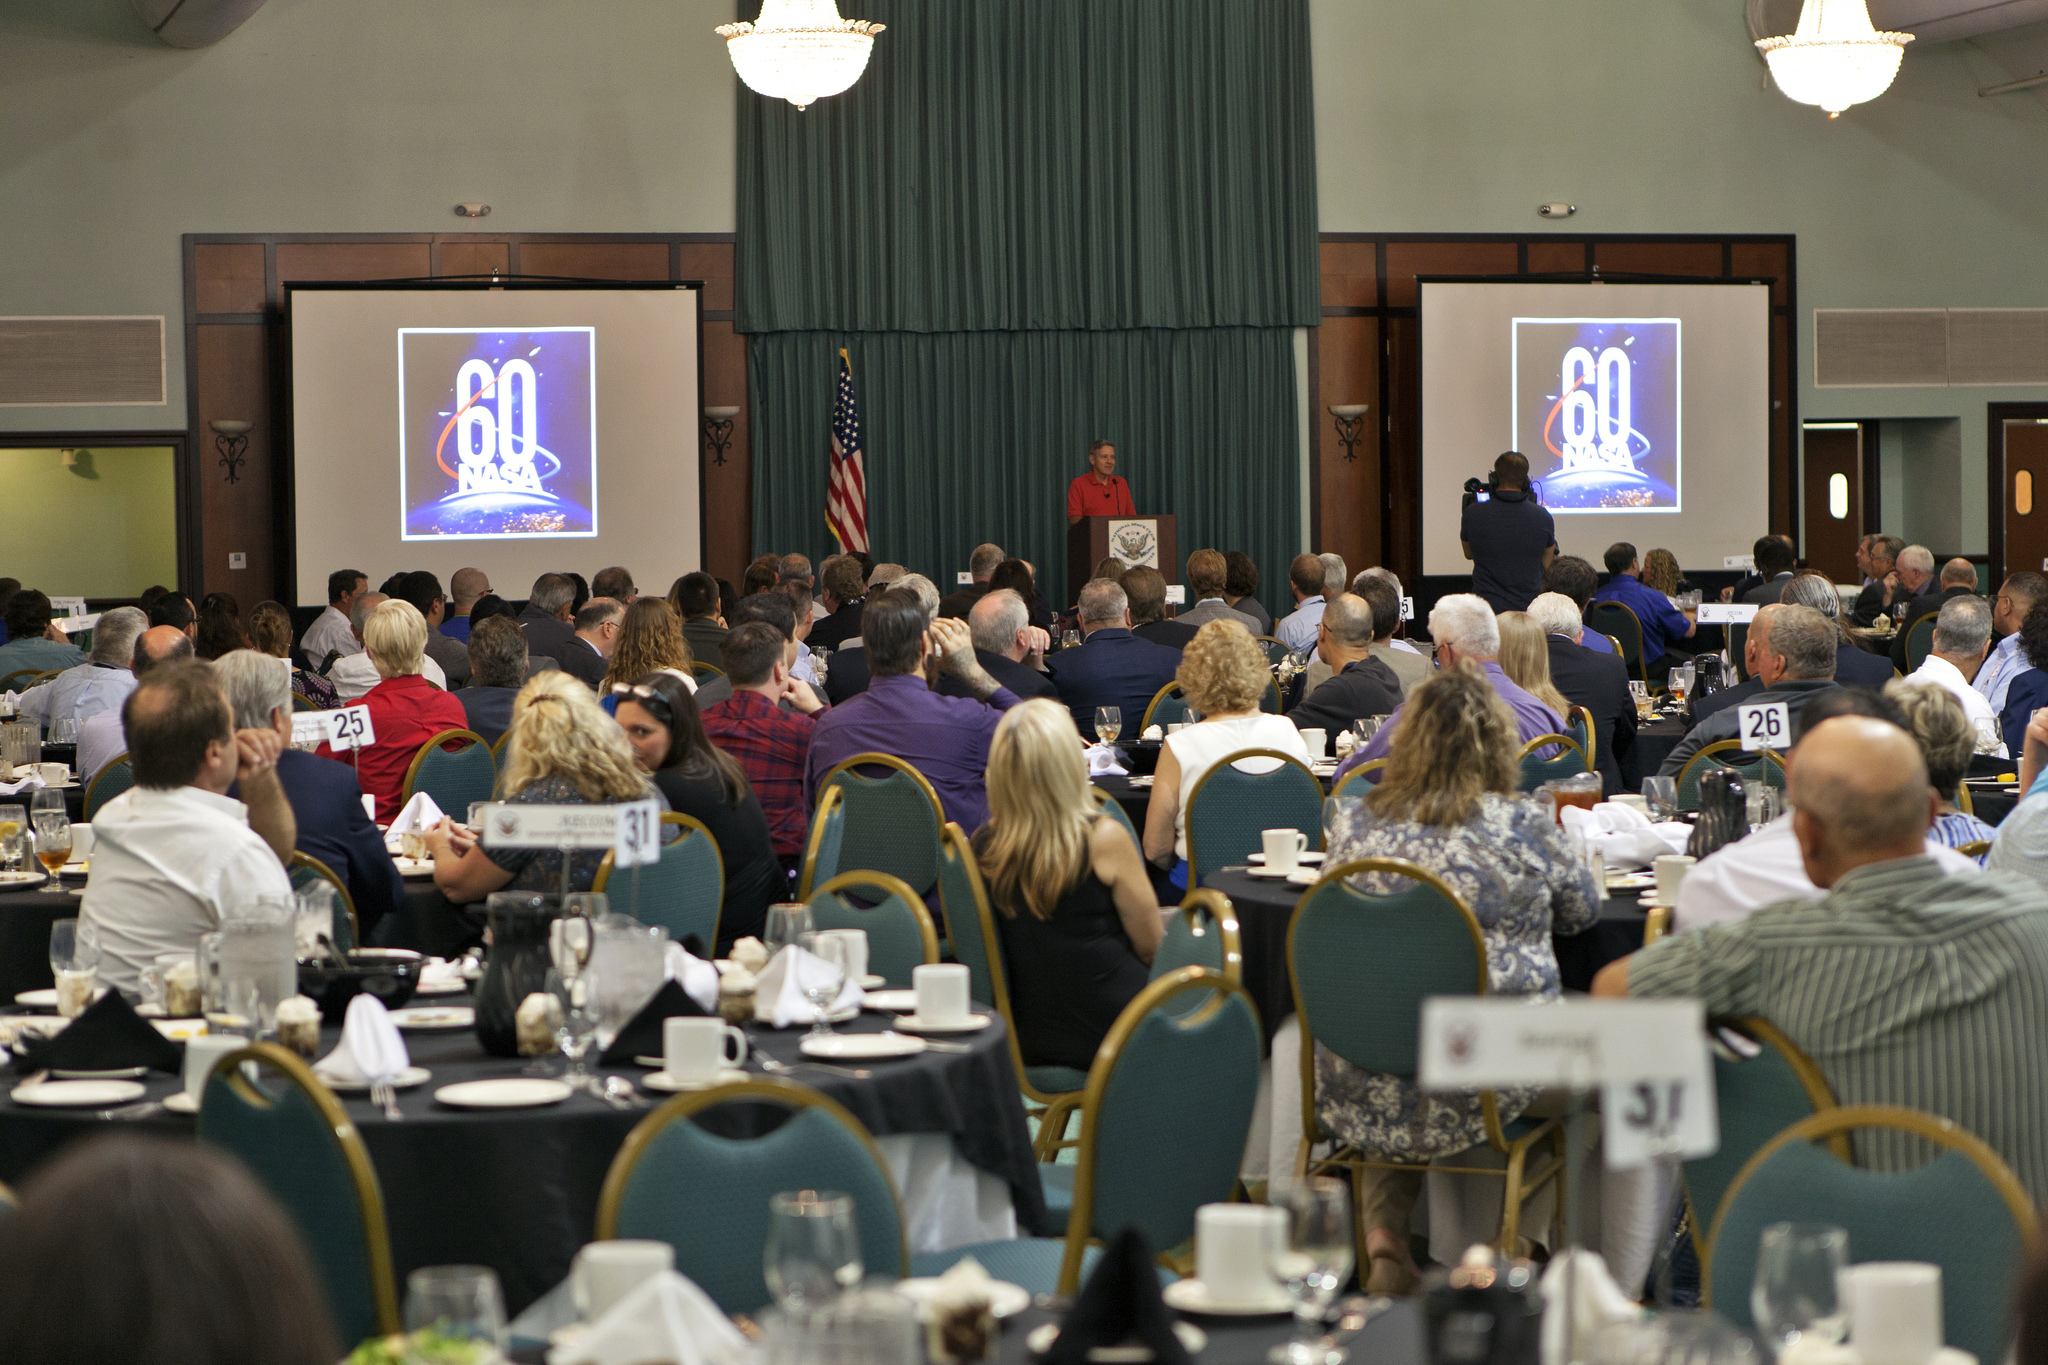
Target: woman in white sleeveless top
x,y
1224,674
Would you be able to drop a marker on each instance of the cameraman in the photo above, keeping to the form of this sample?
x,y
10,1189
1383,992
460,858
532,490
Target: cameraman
x,y
1508,537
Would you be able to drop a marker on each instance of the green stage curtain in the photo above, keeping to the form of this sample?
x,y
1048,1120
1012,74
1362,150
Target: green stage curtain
x,y
973,436
1008,165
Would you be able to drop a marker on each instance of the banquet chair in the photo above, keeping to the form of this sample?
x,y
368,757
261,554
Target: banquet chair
x,y
684,892
1963,1211
302,702
899,928
707,1195
499,745
1169,706
1203,933
1229,807
1357,778
1757,1097
893,819
1275,650
20,679
453,777
1164,1073
1581,730
1269,700
1920,641
1616,620
117,777
1767,765
703,672
827,838
304,870
1114,809
297,1140
1055,1091
1976,848
1362,963
1571,760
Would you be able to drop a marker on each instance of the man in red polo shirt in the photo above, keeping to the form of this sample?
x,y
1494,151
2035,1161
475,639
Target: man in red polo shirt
x,y
1099,492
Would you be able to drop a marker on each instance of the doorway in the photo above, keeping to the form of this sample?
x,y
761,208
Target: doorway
x,y
2016,459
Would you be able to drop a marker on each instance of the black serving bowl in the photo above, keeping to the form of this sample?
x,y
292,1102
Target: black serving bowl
x,y
389,974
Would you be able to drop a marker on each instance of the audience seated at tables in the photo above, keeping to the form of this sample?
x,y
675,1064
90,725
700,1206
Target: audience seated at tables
x,y
270,630
1962,637
1793,649
1464,627
579,593
1947,738
133,1250
423,590
772,607
2006,661
406,709
1011,650
694,597
1525,658
1447,801
331,631
1773,559
550,607
1663,624
1208,573
564,751
218,629
176,610
765,723
1882,585
1382,592
1019,577
1240,589
763,575
884,575
801,622
841,591
99,684
32,641
981,564
596,627
1755,577
2022,843
1224,674
615,583
1958,580
1660,571
1598,682
1360,685
1307,580
1572,577
497,670
2027,691
467,587
792,570
1905,984
847,676
649,640
102,738
326,799
174,853
1853,664
1145,598
1112,666
1074,905
945,738
354,675
701,780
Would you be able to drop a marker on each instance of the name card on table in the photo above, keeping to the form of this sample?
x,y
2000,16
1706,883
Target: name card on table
x,y
1764,725
963,578
72,625
70,606
1727,613
348,728
1177,594
632,830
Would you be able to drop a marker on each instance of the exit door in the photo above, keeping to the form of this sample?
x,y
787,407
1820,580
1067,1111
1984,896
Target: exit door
x,y
1832,497
2025,489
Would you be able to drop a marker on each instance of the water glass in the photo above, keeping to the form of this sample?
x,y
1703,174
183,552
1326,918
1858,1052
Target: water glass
x,y
1313,1262
13,837
1679,683
823,989
860,1327
64,730
1989,740
53,838
813,1250
75,963
787,922
1797,1288
458,1301
1661,795
578,1026
1109,723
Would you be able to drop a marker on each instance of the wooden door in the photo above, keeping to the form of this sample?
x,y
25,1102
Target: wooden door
x,y
1832,497
2025,486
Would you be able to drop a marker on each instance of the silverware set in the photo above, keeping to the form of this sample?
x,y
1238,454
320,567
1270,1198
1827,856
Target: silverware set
x,y
385,1095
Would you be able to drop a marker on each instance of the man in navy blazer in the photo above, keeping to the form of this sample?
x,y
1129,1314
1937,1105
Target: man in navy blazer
x,y
1112,667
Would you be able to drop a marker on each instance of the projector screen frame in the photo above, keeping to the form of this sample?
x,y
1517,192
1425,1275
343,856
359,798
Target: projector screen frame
x,y
286,427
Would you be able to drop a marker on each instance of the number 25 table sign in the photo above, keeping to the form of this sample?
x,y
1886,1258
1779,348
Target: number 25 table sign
x,y
348,728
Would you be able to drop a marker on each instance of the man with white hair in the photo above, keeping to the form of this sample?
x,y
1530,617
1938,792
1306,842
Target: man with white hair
x,y
99,684
1598,682
1007,646
1465,630
1962,637
1958,579
353,675
1112,667
1335,576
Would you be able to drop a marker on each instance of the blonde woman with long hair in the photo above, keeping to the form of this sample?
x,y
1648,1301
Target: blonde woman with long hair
x,y
1525,658
563,751
1074,905
1660,571
650,641
1447,801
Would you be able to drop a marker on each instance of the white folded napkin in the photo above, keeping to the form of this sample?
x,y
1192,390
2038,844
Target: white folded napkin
x,y
30,782
420,814
1596,1299
779,998
1104,759
370,1048
1624,836
698,978
439,971
667,1318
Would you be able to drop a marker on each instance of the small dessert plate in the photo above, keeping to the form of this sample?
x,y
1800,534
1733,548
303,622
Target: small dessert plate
x,y
860,1046
662,1081
434,1017
973,1023
1192,1296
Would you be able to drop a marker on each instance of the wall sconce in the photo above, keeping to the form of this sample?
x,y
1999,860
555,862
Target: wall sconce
x,y
1350,418
718,431
231,439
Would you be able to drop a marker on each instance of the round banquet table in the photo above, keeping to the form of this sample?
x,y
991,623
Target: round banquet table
x,y
517,1189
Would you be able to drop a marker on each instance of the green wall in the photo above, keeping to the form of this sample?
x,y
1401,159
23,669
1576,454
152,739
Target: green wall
x,y
106,528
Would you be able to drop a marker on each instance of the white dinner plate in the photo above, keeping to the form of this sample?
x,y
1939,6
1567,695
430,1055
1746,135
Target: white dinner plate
x,y
434,1017
1005,1299
78,1094
415,867
112,1073
1630,881
1314,855
1273,874
178,1030
974,1023
440,988
860,1046
46,998
20,878
891,1000
661,1080
181,1103
1041,1338
1192,1296
507,1092
404,1080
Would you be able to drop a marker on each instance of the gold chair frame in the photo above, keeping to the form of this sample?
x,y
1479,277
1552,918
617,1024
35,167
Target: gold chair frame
x,y
1585,717
412,769
1561,741
1976,848
1722,746
1223,915
1153,705
671,819
327,874
1371,765
1231,760
927,932
829,800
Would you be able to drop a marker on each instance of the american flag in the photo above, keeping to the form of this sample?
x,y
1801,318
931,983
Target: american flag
x,y
846,492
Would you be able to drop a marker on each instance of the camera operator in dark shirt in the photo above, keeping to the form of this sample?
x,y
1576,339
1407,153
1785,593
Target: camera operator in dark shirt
x,y
1508,537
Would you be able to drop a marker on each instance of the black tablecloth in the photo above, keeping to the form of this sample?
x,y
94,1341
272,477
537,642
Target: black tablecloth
x,y
25,920
1655,741
517,1189
428,922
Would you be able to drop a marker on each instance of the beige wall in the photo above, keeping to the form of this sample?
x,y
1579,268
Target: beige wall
x,y
107,528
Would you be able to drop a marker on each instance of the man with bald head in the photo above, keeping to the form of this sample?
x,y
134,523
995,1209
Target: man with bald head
x,y
1905,984
1008,646
1360,685
1958,579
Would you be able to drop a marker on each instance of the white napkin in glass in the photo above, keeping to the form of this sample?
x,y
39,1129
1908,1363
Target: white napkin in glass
x,y
29,782
420,814
370,1048
1624,836
778,995
1596,1302
439,971
667,1318
698,978
1103,759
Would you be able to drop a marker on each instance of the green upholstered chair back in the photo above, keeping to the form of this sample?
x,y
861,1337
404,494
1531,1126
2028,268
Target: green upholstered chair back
x,y
1757,1098
1578,727
1738,641
893,818
1727,753
1274,649
1612,618
1169,706
1920,641
1114,809
827,840
1569,761
1963,1211
113,779
707,1195
899,928
1202,933
1230,806
965,899
683,892
302,702
453,777
292,1134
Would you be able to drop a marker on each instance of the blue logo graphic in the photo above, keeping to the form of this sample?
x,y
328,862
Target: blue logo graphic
x,y
1596,411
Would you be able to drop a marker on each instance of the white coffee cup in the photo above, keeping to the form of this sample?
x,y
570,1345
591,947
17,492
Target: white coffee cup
x,y
1318,741
693,1049
1894,1311
942,996
1234,1246
200,1055
856,959
1283,848
1635,801
605,1272
81,842
1671,869
54,774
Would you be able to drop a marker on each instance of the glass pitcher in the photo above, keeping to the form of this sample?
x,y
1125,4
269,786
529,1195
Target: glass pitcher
x,y
256,963
628,962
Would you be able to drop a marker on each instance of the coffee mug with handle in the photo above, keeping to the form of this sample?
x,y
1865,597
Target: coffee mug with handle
x,y
605,1272
1283,848
693,1049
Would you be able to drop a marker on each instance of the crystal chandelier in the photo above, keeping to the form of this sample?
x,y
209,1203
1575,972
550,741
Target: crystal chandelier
x,y
1835,58
800,50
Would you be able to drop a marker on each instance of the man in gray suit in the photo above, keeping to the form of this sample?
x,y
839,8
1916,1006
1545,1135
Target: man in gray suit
x,y
1206,573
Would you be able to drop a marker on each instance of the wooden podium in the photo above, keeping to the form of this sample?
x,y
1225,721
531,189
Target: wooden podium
x,y
1094,539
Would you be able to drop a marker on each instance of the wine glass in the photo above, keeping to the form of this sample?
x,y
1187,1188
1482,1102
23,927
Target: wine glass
x,y
1109,723
787,922
64,730
813,1249
13,837
1676,684
458,1301
1069,639
1313,1262
821,665
1797,1288
577,1028
53,838
822,989
1660,794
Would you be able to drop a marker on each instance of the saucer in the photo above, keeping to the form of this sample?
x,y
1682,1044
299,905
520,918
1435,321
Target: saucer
x,y
1304,876
1313,855
1192,1296
1275,874
661,1080
974,1023
891,1000
510,1092
872,982
404,1080
77,1094
181,1103
860,1046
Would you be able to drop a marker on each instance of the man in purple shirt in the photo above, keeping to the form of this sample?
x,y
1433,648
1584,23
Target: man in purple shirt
x,y
1465,630
945,738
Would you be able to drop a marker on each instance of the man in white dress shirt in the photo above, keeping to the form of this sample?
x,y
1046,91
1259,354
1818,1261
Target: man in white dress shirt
x,y
101,738
99,684
1962,635
2006,661
330,633
174,853
353,674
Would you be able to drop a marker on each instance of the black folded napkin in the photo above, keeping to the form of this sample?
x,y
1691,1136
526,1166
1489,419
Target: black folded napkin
x,y
693,944
1119,1306
108,1036
641,1037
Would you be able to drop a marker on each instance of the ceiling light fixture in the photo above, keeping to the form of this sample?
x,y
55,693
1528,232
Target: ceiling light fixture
x,y
1835,58
799,50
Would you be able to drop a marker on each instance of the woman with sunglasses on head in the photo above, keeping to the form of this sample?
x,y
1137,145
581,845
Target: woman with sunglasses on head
x,y
661,723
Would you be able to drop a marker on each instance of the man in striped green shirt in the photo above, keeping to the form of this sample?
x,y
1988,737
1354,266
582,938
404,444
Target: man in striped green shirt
x,y
1905,985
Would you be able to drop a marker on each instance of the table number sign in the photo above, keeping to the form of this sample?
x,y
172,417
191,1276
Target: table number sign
x,y
632,830
1764,725
348,728
1727,613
